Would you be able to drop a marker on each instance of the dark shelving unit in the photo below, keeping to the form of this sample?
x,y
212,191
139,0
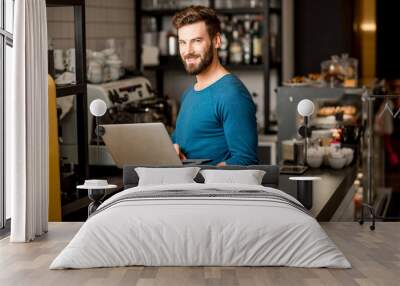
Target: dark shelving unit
x,y
69,89
225,11
173,63
78,89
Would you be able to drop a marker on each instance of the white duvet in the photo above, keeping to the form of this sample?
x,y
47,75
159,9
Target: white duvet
x,y
200,231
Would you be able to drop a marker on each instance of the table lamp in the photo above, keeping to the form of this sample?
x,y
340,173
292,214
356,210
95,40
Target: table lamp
x,y
305,108
98,108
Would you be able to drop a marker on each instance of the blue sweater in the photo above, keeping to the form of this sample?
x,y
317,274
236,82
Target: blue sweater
x,y
218,123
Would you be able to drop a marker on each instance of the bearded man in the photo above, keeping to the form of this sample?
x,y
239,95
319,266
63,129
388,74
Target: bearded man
x,y
217,118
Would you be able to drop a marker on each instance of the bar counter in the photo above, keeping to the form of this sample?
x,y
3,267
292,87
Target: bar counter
x,y
328,193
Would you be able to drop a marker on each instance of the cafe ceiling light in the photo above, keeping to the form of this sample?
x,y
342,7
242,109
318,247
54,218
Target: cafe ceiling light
x,y
368,27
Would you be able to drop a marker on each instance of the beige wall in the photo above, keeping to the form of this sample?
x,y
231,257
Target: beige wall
x,y
104,20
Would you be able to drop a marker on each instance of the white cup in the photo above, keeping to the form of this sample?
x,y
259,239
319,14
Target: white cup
x,y
114,69
108,52
71,60
95,72
98,57
113,57
106,73
59,60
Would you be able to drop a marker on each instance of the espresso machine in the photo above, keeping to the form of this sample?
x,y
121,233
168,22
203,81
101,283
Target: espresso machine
x,y
130,100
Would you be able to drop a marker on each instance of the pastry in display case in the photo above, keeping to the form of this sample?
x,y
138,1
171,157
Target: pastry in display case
x,y
340,71
337,72
350,68
315,79
332,72
312,79
333,112
297,81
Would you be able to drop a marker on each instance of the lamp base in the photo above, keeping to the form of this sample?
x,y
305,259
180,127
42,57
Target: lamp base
x,y
100,130
303,130
95,195
305,193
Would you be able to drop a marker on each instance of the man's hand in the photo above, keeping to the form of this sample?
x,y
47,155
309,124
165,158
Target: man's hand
x,y
221,164
179,152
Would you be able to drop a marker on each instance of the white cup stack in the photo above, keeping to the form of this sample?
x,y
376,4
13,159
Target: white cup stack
x,y
104,66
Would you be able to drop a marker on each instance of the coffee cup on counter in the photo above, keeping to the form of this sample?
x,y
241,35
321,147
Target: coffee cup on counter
x,y
315,157
98,57
95,72
115,67
59,64
336,159
348,154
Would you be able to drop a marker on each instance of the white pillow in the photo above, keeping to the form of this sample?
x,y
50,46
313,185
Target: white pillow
x,y
248,177
163,176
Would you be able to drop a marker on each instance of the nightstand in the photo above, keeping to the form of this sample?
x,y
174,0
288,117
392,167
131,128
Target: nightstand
x,y
96,192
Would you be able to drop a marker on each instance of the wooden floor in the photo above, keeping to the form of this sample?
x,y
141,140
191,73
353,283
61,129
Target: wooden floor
x,y
375,257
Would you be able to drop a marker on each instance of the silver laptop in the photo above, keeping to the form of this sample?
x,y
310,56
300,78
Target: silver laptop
x,y
144,144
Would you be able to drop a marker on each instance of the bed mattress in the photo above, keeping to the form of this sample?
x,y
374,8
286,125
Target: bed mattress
x,y
201,225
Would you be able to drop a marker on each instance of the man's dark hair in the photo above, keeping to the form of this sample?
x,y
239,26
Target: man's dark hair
x,y
194,14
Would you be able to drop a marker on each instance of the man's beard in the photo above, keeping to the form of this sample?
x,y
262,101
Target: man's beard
x,y
205,61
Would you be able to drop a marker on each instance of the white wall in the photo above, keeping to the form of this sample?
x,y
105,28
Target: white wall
x,y
104,20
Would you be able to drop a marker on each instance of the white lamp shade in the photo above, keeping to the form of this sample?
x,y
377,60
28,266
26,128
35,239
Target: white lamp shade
x,y
98,107
305,107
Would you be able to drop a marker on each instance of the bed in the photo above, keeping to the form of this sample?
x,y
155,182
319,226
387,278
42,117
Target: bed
x,y
197,224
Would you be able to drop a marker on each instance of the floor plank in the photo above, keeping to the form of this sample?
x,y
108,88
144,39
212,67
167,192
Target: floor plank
x,y
374,255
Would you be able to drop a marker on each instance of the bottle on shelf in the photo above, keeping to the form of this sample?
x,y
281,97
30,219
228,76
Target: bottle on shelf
x,y
273,40
256,43
247,43
235,49
275,4
172,44
223,52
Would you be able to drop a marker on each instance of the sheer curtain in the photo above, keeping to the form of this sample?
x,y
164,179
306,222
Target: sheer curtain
x,y
27,123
